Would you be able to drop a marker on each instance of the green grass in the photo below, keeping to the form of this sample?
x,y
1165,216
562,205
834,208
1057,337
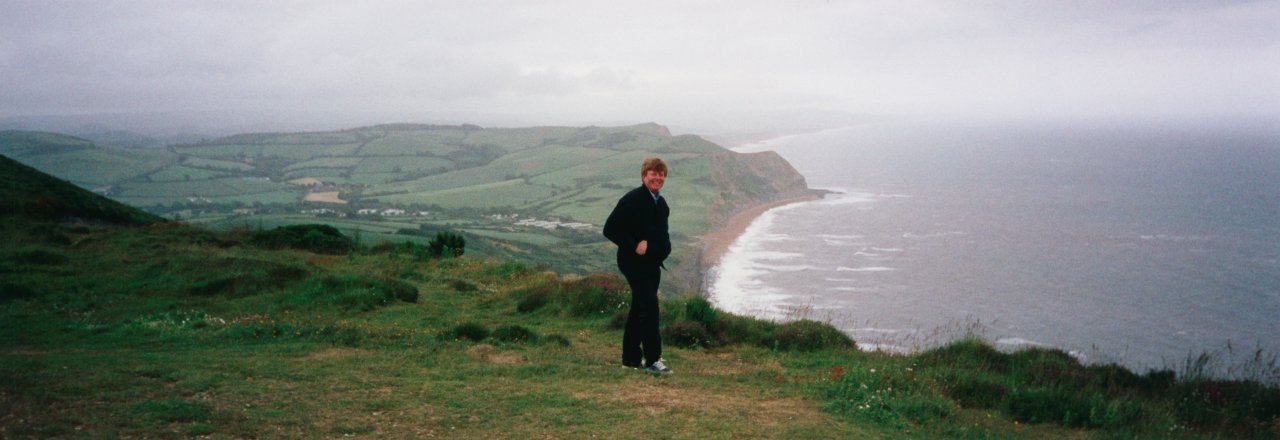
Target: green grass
x,y
460,173
179,331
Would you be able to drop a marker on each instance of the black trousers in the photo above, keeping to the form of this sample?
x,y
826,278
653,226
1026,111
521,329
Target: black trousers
x,y
641,336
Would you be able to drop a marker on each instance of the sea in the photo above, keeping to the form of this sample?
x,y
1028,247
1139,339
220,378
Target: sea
x,y
1147,244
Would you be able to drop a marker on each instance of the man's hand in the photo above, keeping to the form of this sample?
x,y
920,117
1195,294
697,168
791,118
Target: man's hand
x,y
642,247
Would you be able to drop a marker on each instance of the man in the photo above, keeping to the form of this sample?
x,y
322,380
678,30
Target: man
x,y
638,225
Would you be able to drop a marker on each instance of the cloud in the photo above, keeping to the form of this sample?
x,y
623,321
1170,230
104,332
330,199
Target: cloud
x,y
577,60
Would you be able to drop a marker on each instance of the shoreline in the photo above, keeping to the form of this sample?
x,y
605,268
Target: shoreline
x,y
717,242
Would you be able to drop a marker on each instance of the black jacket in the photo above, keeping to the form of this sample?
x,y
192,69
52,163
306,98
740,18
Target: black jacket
x,y
638,217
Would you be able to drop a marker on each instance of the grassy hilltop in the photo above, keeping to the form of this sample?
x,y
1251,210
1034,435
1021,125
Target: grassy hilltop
x,y
539,194
118,327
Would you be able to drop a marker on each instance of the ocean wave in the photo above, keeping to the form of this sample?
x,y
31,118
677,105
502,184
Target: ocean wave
x,y
914,236
854,289
846,198
839,236
774,255
1019,342
876,330
790,267
1176,238
864,269
875,347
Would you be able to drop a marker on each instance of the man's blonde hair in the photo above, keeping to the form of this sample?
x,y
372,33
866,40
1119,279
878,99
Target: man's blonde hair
x,y
653,164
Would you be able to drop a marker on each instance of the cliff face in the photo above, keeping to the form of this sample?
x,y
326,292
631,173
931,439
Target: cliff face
x,y
742,181
750,179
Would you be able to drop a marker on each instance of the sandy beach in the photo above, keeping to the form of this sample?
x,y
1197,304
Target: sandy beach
x,y
716,243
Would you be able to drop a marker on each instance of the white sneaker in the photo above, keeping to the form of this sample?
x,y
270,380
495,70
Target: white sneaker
x,y
658,367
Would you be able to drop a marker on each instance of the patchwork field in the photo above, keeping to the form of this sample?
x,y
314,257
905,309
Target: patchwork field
x,y
464,176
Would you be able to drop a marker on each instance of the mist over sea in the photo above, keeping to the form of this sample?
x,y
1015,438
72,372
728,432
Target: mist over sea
x,y
1136,243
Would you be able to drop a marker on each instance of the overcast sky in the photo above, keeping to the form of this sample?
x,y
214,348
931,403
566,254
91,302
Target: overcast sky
x,y
678,62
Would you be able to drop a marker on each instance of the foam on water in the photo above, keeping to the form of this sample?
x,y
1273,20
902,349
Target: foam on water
x,y
1137,246
865,269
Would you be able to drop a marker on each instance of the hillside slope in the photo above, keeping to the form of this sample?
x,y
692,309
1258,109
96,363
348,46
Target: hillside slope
x,y
538,194
27,191
178,331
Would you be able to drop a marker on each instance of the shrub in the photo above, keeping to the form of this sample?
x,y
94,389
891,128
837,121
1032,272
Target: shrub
x,y
462,285
969,353
506,270
976,392
687,334
595,295
744,330
447,244
1047,367
698,309
173,410
9,292
533,299
413,249
321,239
1059,405
470,331
619,319
1224,404
1112,378
242,277
514,333
41,257
1072,407
352,292
234,284
886,396
558,339
807,335
280,276
1157,381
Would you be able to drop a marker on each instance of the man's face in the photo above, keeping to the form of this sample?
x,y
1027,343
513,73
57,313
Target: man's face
x,y
654,180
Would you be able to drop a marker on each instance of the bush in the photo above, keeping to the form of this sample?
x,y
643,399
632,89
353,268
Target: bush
x,y
969,353
595,295
1072,408
321,239
41,257
533,299
507,270
352,292
807,335
1224,404
745,330
447,244
1112,378
469,331
173,410
557,339
514,333
619,319
9,292
887,396
689,334
1047,367
462,285
698,309
976,392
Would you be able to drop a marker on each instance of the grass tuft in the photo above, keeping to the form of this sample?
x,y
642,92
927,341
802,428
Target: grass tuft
x,y
807,335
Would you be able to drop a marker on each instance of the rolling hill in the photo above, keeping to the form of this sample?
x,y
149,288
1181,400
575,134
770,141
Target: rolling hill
x,y
115,325
537,193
